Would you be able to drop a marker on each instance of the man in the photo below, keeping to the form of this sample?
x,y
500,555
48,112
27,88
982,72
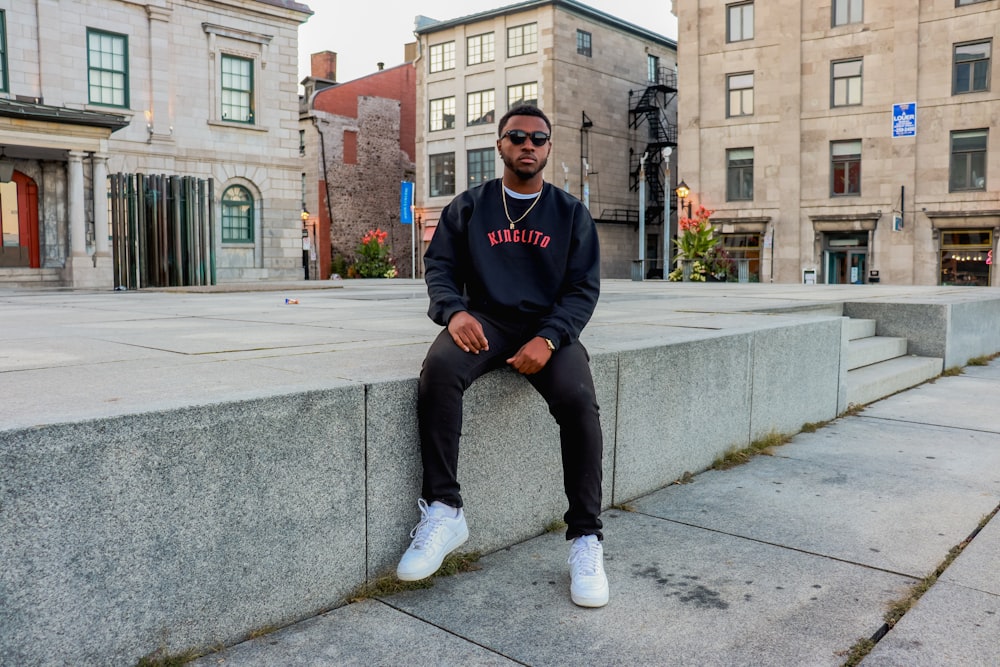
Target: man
x,y
513,274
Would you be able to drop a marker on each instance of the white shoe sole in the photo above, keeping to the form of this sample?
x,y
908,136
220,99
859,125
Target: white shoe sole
x,y
590,601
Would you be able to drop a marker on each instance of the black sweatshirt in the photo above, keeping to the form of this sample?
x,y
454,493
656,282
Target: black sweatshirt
x,y
545,271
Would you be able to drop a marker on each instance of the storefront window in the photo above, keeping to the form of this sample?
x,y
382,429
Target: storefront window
x,y
966,257
744,246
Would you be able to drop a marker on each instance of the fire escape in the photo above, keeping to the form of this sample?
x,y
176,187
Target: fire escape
x,y
651,131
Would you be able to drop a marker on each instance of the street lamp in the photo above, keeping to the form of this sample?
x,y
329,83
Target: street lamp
x,y
683,191
305,242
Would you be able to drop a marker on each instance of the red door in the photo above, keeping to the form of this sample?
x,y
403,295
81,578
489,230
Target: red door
x,y
21,250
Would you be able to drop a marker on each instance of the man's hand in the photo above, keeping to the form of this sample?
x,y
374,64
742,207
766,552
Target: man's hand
x,y
532,356
467,332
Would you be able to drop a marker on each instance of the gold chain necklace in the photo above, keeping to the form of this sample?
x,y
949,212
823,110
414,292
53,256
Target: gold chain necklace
x,y
503,196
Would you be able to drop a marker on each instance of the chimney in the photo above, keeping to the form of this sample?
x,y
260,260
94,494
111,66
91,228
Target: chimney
x,y
324,65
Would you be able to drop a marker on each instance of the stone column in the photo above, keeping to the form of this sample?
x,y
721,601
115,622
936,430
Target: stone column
x,y
74,205
81,269
100,162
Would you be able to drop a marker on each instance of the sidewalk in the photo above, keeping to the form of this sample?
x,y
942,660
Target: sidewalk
x,y
790,559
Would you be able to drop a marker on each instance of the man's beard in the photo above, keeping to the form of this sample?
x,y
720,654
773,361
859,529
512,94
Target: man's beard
x,y
521,172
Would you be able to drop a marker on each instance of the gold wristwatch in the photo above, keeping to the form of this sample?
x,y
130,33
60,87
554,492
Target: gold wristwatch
x,y
550,344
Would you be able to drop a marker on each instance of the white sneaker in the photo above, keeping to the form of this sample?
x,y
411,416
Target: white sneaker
x,y
441,530
588,583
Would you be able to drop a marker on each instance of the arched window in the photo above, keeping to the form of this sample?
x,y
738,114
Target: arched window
x,y
237,215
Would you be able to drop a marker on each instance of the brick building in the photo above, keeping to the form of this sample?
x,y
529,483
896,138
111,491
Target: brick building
x,y
358,141
843,141
608,87
200,92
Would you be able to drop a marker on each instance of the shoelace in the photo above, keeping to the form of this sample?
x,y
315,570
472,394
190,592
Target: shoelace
x,y
586,557
424,532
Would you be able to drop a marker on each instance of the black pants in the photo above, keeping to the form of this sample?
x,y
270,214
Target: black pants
x,y
566,385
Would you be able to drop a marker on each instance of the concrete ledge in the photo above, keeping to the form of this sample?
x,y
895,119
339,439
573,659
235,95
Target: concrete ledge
x,y
170,528
187,528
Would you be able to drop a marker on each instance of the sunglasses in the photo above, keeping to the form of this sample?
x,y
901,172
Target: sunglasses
x,y
518,137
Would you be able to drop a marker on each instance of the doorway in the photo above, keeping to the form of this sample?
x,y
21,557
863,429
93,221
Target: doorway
x,y
845,256
845,267
19,222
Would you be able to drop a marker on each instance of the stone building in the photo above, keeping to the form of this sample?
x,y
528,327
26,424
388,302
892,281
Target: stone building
x,y
608,87
194,102
358,143
844,141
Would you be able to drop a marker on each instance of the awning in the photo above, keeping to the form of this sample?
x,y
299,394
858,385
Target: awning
x,y
52,114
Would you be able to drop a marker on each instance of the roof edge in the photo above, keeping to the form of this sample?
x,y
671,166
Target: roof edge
x,y
425,26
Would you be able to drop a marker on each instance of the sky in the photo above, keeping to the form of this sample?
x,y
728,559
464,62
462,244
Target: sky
x,y
363,33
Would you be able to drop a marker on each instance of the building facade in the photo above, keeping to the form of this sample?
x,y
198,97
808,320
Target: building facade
x,y
359,146
589,72
845,141
189,106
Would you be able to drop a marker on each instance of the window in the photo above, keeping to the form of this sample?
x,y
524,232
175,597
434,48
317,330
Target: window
x,y
959,3
583,43
480,107
965,256
237,215
442,57
4,83
739,174
107,68
845,86
442,174
237,89
482,165
443,114
968,160
522,39
739,22
971,68
744,246
479,49
652,68
522,93
845,168
740,95
847,11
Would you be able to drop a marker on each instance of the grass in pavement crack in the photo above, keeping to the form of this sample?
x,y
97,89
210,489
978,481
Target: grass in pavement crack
x,y
899,608
390,584
736,457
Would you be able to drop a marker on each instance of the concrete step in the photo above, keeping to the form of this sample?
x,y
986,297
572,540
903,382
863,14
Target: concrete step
x,y
860,328
870,383
24,277
873,349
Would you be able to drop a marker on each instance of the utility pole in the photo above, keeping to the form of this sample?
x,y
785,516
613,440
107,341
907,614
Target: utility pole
x,y
642,217
666,211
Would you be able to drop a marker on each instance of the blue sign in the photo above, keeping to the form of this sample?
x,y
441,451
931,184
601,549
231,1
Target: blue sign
x,y
406,202
904,120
